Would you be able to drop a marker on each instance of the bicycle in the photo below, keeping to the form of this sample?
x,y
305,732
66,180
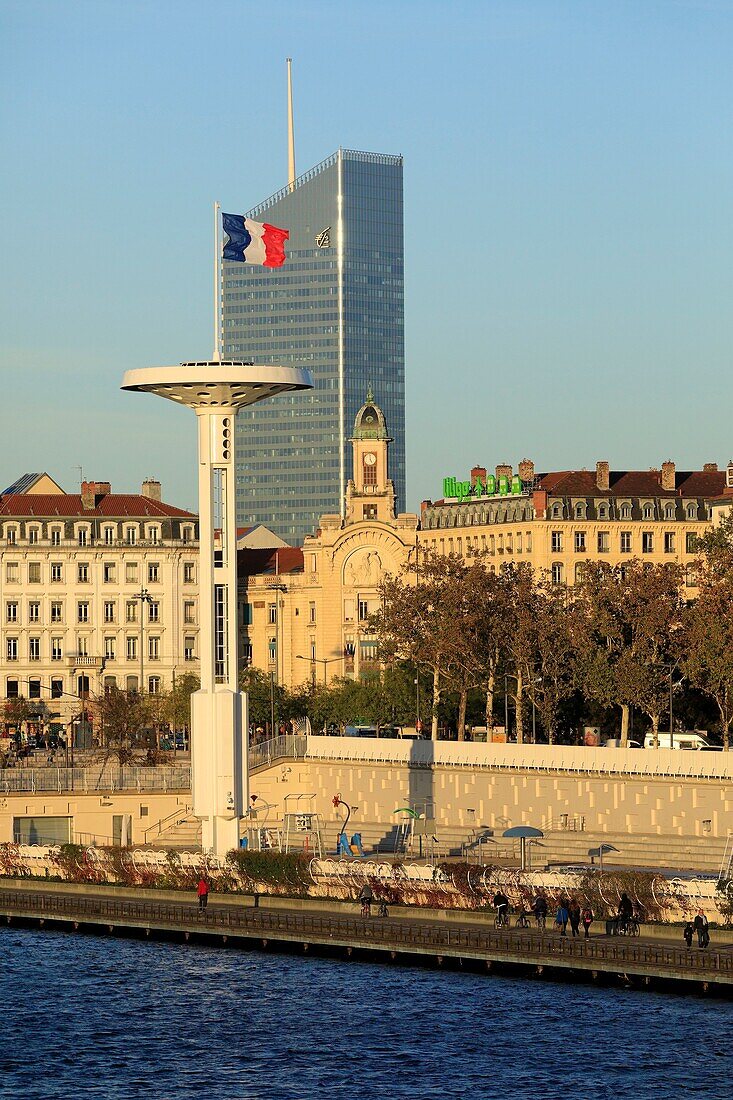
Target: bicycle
x,y
382,909
522,920
501,920
366,908
629,926
541,921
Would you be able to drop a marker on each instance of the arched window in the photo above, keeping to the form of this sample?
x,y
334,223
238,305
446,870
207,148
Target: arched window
x,y
603,511
669,511
691,511
580,510
556,511
625,511
648,511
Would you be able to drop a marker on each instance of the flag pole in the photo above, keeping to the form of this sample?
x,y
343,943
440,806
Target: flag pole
x,y
217,285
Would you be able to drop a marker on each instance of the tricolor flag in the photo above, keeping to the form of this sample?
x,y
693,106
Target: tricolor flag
x,y
251,242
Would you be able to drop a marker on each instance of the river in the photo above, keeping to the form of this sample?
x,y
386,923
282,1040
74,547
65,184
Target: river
x,y
86,1016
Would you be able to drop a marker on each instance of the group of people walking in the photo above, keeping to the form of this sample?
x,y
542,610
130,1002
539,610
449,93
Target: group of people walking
x,y
699,925
570,912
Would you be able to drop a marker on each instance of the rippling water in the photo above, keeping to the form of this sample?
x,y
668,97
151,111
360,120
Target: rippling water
x,y
117,1019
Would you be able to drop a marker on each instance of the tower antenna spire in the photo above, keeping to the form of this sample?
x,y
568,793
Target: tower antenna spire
x,y
291,131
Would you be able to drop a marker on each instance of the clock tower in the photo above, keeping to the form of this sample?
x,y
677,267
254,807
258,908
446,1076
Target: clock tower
x,y
370,493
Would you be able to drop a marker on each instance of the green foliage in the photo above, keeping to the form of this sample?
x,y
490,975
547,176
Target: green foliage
x,y
279,869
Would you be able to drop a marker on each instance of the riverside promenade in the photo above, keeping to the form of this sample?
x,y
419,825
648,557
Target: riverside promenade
x,y
646,963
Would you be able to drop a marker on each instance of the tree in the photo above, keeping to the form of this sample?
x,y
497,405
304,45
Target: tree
x,y
706,645
520,639
123,715
627,616
16,711
179,701
555,635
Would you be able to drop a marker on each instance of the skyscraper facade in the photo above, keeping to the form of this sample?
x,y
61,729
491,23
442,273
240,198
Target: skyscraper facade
x,y
335,307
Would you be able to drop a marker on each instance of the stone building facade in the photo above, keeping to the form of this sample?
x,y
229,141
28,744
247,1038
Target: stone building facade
x,y
96,588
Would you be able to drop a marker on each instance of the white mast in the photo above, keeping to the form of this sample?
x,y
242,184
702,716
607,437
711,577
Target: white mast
x,y
217,285
291,131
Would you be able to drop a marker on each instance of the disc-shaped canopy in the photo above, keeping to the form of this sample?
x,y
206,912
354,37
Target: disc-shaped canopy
x,y
525,831
601,850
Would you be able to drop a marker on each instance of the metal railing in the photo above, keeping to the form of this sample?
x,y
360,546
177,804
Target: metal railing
x,y
163,778
291,746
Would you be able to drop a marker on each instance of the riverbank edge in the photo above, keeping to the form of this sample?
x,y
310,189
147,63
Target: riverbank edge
x,y
668,933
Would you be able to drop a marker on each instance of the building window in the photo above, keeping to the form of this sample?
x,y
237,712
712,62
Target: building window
x,y
187,534
647,542
369,511
131,535
34,611
691,511
82,536
669,511
82,572
690,543
557,511
109,572
34,649
272,613
57,572
648,511
11,611
312,613
33,535
603,511
189,572
131,685
580,542
82,649
109,611
369,470
556,539
55,536
246,654
154,685
604,542
189,611
154,648
189,649
625,511
131,572
132,648
363,610
82,611
109,536
153,572
56,649
154,535
580,510
131,611
57,689
11,691
11,572
34,572
348,611
625,544
109,648
12,536
669,542
12,649
34,689
154,612
57,610
272,650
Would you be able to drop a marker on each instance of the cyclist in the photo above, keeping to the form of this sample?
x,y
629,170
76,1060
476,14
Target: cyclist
x,y
501,902
366,897
625,913
540,910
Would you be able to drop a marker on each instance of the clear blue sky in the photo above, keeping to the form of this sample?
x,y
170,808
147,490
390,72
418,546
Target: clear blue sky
x,y
569,217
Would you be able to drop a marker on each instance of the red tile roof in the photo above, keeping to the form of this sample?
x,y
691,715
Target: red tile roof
x,y
110,505
253,562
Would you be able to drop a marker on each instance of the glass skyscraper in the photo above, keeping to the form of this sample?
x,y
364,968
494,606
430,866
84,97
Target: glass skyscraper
x,y
335,307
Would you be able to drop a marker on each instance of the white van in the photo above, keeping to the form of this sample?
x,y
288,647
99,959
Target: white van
x,y
685,740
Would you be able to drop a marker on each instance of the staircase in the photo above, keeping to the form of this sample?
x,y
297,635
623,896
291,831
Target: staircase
x,y
179,830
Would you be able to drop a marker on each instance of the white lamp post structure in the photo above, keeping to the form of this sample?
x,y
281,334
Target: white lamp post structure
x,y
216,390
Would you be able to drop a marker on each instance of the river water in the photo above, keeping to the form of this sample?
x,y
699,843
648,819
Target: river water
x,y
123,1019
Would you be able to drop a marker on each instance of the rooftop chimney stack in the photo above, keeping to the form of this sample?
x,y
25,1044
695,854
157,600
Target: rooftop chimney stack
x,y
710,468
88,489
526,469
669,482
504,471
151,489
603,477
478,473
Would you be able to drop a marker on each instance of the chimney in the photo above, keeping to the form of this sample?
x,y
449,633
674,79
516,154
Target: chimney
x,y
668,476
504,471
526,469
710,468
603,477
102,488
88,489
424,505
151,489
478,472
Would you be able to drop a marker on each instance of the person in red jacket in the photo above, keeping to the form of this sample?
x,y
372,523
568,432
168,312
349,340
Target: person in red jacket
x,y
203,893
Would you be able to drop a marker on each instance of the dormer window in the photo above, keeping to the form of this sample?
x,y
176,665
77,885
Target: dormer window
x,y
691,511
669,511
557,511
625,511
648,511
580,510
603,511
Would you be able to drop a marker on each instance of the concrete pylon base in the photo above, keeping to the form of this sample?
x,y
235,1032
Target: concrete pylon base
x,y
219,723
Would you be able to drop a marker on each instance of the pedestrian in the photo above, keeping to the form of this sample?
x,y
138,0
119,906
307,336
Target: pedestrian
x,y
366,896
701,927
203,893
688,932
587,919
574,914
563,915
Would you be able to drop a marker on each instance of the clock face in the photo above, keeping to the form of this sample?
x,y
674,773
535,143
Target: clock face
x,y
369,459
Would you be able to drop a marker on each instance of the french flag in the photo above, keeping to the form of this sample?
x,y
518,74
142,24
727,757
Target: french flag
x,y
253,242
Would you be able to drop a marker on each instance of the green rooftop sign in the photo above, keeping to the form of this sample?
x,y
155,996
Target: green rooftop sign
x,y
488,487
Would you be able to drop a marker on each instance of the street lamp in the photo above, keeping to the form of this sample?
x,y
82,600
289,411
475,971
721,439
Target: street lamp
x,y
145,598
325,661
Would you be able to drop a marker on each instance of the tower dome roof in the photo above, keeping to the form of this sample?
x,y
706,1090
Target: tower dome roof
x,y
369,422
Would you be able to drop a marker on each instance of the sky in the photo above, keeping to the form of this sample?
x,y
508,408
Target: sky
x,y
568,218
